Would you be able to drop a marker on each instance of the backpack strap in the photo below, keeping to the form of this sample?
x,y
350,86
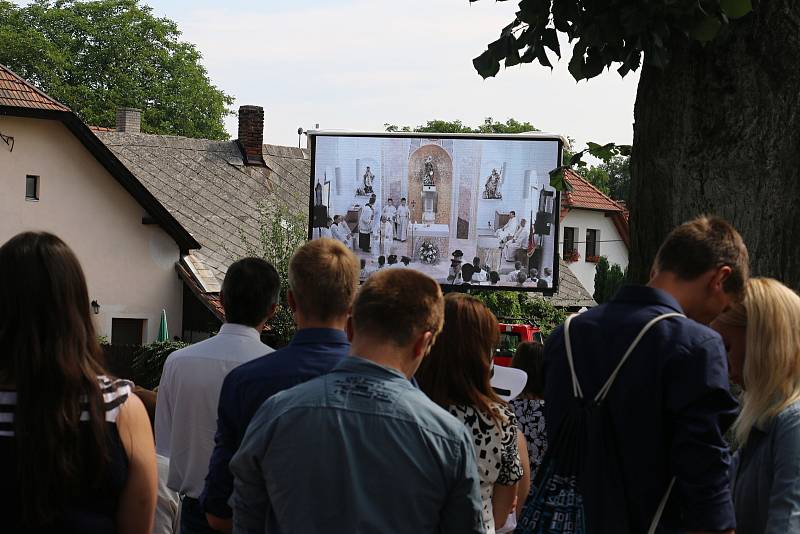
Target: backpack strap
x,y
576,387
601,395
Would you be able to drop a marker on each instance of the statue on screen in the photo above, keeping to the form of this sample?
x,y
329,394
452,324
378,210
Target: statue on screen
x,y
428,173
492,189
368,177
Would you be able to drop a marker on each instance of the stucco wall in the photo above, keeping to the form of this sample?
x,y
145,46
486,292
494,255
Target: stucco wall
x,y
129,266
610,243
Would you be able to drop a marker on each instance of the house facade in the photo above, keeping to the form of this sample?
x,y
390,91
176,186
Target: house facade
x,y
592,225
56,176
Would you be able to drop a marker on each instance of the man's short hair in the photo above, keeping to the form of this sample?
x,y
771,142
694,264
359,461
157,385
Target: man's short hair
x,y
323,276
250,288
703,244
398,305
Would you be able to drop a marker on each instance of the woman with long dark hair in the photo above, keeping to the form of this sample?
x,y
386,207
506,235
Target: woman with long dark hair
x,y
76,449
456,375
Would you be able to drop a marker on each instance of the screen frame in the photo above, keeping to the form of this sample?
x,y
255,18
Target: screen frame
x,y
532,136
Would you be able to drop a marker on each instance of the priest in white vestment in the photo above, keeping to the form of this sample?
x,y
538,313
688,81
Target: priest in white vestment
x,y
509,228
403,215
518,241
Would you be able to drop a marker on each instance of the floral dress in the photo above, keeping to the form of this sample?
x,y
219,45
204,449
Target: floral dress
x,y
530,418
495,451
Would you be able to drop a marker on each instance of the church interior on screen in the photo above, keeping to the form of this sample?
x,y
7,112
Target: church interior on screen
x,y
463,211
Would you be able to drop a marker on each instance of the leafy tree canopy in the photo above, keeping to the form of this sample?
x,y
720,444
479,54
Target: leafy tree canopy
x,y
606,32
97,56
612,177
511,126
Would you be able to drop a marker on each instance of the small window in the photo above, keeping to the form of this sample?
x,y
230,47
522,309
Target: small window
x,y
592,248
31,187
569,242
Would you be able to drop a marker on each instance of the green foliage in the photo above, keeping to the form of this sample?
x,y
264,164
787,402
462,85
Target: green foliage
x,y
281,232
606,33
608,279
612,177
511,126
519,305
148,361
100,55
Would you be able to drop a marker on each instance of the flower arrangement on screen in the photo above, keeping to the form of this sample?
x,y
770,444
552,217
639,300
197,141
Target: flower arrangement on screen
x,y
593,259
428,253
572,256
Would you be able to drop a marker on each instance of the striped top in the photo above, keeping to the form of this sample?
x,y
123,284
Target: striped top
x,y
87,509
115,393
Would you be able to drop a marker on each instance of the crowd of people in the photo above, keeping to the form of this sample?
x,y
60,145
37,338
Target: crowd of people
x,y
384,414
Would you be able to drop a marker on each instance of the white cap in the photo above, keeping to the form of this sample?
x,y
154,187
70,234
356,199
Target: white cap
x,y
508,382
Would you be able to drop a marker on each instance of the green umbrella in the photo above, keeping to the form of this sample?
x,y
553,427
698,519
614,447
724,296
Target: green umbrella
x,y
163,332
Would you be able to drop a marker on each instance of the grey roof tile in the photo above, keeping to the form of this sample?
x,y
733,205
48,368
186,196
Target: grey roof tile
x,y
209,190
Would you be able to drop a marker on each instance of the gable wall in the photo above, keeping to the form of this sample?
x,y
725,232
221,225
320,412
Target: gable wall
x,y
129,266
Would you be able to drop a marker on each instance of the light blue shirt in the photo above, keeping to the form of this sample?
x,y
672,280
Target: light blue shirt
x,y
186,411
359,450
766,490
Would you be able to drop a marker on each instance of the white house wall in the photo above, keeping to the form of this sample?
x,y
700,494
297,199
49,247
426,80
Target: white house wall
x,y
130,267
610,243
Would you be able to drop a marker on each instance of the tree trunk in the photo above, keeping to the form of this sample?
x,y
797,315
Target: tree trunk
x,y
718,132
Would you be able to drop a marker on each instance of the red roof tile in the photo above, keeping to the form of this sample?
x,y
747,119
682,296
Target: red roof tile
x,y
586,196
18,93
102,129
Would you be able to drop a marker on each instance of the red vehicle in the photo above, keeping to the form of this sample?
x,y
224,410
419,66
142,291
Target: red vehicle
x,y
511,335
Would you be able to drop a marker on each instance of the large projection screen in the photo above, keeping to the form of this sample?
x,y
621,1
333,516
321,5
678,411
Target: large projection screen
x,y
462,208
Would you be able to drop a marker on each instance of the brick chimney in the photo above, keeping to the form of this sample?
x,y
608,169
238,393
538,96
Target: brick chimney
x,y
251,134
129,120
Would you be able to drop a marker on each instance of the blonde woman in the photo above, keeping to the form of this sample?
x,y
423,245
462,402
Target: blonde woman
x,y
762,336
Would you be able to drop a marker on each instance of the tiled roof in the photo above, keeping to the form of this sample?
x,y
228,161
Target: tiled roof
x,y
18,93
571,293
586,196
96,129
206,186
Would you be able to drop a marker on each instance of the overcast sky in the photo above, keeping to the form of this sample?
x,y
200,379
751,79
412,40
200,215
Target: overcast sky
x,y
357,64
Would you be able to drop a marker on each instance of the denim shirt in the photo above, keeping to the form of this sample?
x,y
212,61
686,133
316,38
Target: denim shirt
x,y
767,477
670,405
359,450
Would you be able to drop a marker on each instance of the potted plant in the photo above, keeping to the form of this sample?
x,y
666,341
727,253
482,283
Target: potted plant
x,y
572,256
593,259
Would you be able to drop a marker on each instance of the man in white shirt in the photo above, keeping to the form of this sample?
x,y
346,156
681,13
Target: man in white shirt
x,y
186,411
548,276
480,275
512,276
509,228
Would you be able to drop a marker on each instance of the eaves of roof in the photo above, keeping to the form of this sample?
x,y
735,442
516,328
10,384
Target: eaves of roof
x,y
110,162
